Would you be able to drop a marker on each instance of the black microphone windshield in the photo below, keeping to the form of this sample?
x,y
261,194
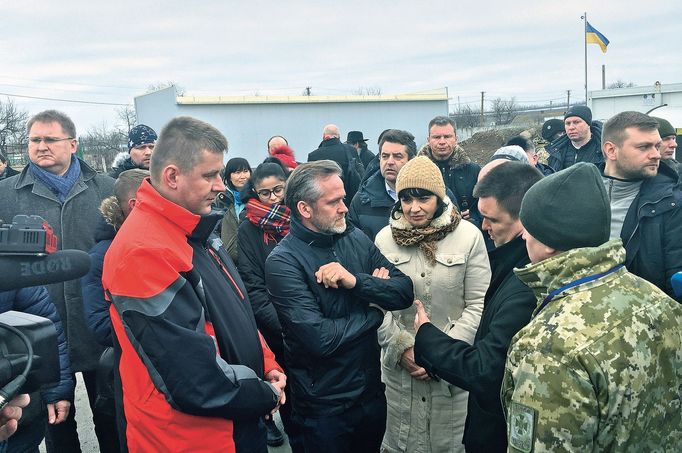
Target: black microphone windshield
x,y
24,271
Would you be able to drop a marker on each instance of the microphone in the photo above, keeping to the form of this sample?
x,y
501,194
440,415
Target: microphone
x,y
22,271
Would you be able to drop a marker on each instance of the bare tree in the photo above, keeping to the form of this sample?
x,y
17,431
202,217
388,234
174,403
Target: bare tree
x,y
504,110
620,84
466,117
128,118
101,144
307,91
12,126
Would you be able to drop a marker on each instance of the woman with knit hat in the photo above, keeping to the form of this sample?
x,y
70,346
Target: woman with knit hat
x,y
447,261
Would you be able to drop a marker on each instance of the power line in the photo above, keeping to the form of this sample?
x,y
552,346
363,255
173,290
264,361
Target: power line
x,y
76,101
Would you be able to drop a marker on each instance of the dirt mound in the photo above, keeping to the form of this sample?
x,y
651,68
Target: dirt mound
x,y
482,145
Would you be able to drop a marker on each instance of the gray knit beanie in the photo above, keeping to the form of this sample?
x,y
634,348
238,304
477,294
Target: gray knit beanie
x,y
568,209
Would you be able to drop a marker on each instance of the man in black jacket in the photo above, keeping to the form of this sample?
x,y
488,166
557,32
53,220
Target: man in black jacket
x,y
645,198
371,206
5,170
331,148
459,173
330,286
357,140
509,303
141,141
581,142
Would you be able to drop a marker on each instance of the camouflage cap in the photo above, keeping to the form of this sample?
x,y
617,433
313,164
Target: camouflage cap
x,y
568,209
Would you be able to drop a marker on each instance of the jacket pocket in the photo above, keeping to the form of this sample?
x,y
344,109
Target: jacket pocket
x,y
450,269
397,258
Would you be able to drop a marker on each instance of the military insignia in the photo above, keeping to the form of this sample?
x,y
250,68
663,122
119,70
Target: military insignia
x,y
522,430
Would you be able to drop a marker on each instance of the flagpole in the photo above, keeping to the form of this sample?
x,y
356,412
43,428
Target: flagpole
x,y
585,38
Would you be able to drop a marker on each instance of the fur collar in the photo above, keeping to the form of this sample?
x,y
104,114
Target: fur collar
x,y
457,158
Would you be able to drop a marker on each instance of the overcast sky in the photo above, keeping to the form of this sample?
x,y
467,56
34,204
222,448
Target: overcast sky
x,y
110,52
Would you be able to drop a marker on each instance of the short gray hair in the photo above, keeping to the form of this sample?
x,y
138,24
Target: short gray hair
x,y
303,183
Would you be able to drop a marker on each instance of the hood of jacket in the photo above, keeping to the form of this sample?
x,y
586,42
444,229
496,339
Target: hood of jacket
x,y
457,158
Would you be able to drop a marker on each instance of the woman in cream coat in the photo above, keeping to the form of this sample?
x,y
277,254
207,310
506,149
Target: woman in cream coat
x,y
447,260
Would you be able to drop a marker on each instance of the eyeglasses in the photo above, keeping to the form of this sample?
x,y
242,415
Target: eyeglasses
x,y
48,140
267,193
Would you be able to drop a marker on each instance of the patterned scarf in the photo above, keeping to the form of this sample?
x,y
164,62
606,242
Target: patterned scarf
x,y
425,237
59,185
273,220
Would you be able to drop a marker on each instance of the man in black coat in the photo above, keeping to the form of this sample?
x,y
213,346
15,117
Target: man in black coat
x,y
582,142
371,206
459,173
645,199
331,148
141,141
508,305
357,140
330,286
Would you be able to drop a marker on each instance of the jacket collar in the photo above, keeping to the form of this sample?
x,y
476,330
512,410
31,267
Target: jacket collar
x,y
330,142
314,238
457,158
373,191
192,225
557,271
26,178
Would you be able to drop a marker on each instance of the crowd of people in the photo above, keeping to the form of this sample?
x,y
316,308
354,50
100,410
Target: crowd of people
x,y
408,301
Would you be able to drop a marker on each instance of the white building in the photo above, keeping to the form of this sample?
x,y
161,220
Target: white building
x,y
606,103
249,121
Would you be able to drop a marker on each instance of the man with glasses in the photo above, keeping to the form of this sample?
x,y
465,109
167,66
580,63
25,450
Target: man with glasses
x,y
141,140
66,192
459,173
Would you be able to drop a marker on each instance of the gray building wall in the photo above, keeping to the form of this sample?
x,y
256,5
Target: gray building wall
x,y
249,126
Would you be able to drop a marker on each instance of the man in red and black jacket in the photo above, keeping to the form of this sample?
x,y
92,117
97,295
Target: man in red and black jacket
x,y
194,374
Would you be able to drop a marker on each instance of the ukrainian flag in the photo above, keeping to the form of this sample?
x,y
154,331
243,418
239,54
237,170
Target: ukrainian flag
x,y
593,36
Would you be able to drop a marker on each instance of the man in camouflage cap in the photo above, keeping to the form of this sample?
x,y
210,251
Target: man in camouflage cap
x,y
598,366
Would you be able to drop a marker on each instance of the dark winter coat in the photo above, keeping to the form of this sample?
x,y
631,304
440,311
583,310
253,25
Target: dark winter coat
x,y
366,156
9,172
479,368
371,206
36,301
253,250
74,223
460,176
330,335
652,230
545,169
230,223
95,305
125,164
562,154
333,149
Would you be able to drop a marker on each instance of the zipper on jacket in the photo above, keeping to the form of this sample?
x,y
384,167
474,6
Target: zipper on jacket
x,y
639,217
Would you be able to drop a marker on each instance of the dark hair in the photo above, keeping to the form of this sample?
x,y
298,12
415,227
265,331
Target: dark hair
x,y
442,121
614,129
524,143
382,136
303,183
54,116
274,160
507,184
264,170
412,192
182,142
400,137
233,165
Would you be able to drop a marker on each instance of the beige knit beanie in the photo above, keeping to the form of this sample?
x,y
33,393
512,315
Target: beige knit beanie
x,y
421,173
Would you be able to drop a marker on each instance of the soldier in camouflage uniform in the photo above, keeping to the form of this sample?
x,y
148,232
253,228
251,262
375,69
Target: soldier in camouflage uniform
x,y
599,366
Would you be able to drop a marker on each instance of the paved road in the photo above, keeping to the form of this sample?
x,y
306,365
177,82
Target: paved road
x,y
86,430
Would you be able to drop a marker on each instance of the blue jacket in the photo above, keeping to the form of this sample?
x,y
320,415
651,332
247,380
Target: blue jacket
x,y
36,301
95,306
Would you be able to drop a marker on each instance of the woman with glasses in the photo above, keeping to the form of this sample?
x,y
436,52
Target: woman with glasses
x,y
237,173
447,261
266,224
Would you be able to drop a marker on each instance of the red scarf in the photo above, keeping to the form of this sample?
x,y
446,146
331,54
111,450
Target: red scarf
x,y
274,220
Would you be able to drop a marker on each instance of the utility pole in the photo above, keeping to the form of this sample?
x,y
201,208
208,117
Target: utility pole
x,y
307,90
482,103
603,77
568,99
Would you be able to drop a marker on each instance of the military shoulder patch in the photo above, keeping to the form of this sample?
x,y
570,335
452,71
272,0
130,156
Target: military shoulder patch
x,y
522,429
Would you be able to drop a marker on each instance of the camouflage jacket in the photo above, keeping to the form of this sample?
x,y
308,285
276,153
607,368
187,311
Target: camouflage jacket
x,y
599,368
